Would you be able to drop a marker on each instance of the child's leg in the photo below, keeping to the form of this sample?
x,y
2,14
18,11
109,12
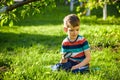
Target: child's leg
x,y
81,70
63,66
56,67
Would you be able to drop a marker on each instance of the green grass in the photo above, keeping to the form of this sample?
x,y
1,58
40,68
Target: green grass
x,y
27,48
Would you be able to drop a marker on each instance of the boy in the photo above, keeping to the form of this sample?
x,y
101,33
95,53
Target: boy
x,y
78,60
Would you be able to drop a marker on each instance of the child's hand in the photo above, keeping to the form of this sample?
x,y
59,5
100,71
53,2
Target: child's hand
x,y
74,67
64,61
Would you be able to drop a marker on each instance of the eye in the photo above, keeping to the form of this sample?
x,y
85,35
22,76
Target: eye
x,y
77,30
71,30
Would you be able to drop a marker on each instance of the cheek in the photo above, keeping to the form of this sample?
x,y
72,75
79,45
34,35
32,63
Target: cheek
x,y
69,33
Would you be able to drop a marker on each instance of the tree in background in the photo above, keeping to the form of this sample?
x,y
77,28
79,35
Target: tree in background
x,y
10,9
90,4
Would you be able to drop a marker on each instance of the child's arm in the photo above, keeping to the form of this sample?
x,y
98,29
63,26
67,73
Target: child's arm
x,y
84,62
63,60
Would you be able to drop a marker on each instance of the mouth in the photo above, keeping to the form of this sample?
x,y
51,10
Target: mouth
x,y
74,36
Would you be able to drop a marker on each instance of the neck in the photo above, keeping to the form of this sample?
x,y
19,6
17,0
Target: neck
x,y
72,40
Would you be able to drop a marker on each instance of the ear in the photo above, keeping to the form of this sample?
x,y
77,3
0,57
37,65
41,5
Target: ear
x,y
65,29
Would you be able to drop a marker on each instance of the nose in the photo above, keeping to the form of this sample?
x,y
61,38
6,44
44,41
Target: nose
x,y
75,32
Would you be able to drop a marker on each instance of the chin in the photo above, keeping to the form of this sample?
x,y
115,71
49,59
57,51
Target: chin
x,y
74,37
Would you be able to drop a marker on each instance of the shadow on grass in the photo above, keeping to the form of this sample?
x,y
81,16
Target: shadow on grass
x,y
37,20
11,41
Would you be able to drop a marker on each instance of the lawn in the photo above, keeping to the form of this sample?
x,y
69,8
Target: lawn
x,y
33,44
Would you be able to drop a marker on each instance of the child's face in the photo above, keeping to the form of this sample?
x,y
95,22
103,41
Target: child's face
x,y
73,32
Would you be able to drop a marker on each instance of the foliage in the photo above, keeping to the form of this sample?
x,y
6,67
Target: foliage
x,y
36,6
91,4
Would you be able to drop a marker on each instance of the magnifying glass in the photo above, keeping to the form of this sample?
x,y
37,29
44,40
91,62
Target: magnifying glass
x,y
67,55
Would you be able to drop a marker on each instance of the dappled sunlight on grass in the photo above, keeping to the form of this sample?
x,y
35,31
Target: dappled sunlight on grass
x,y
93,20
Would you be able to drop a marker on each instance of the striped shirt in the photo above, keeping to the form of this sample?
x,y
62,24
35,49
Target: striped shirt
x,y
77,48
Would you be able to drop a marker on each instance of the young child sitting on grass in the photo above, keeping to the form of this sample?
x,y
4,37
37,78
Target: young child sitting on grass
x,y
75,48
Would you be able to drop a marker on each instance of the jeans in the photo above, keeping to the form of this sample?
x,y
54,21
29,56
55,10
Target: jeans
x,y
68,65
